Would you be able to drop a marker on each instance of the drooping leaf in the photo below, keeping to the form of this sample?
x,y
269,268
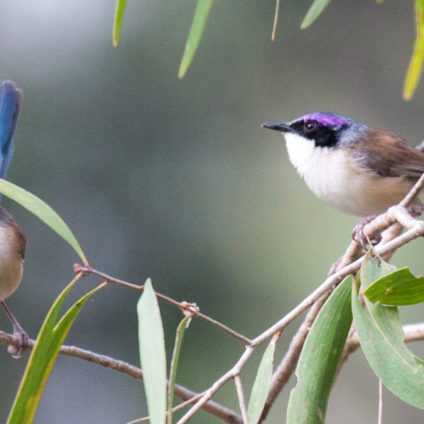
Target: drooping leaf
x,y
398,288
42,211
314,11
152,354
381,337
43,356
198,25
117,21
261,384
179,337
320,357
414,72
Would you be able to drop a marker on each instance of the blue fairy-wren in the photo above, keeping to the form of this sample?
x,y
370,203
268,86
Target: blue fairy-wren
x,y
12,239
354,168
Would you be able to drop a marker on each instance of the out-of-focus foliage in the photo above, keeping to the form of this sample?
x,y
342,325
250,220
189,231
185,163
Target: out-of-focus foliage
x,y
413,75
195,35
117,22
317,7
314,11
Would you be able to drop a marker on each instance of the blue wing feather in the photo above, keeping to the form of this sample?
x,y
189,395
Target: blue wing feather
x,y
10,103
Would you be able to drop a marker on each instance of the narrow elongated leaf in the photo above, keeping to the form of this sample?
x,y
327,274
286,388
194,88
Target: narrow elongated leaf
x,y
381,336
117,21
42,211
261,385
152,354
398,288
320,357
414,72
179,337
314,11
198,25
43,356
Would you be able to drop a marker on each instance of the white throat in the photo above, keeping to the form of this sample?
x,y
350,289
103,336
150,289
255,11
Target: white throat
x,y
325,170
302,152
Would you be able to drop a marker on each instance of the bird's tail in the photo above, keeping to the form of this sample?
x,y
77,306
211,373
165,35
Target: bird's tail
x,y
10,104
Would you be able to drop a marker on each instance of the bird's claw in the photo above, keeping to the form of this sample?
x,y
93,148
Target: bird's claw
x,y
22,338
360,237
416,209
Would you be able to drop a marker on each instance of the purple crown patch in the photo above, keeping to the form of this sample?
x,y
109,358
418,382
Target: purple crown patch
x,y
325,118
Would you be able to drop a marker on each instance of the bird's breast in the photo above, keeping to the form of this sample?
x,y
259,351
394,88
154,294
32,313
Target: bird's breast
x,y
11,262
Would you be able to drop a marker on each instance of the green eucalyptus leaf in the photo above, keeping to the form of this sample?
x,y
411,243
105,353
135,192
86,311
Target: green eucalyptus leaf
x,y
398,288
43,356
198,25
314,11
381,337
318,362
42,211
179,337
117,21
261,384
152,354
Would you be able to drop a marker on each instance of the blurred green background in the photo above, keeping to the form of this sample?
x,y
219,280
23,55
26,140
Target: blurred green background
x,y
175,180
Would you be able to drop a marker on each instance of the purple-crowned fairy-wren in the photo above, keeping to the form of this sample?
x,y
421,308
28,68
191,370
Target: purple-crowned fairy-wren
x,y
354,168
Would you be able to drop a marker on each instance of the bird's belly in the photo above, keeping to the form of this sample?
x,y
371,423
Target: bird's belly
x,y
338,180
352,190
11,268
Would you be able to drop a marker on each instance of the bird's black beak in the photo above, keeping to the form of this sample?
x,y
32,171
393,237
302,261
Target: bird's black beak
x,y
277,126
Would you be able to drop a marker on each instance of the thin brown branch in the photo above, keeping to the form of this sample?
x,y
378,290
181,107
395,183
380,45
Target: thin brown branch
x,y
380,402
413,194
225,414
176,408
186,307
241,398
233,372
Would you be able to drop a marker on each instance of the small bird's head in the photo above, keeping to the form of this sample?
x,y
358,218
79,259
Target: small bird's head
x,y
324,129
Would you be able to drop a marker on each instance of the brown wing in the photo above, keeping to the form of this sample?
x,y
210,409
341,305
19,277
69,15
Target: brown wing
x,y
387,155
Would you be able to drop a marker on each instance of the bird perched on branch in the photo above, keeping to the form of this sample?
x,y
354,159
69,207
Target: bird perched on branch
x,y
354,168
12,239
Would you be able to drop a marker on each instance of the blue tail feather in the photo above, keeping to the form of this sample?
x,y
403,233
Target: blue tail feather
x,y
10,103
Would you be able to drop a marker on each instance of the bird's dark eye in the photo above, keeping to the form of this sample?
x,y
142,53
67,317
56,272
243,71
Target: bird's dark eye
x,y
310,126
